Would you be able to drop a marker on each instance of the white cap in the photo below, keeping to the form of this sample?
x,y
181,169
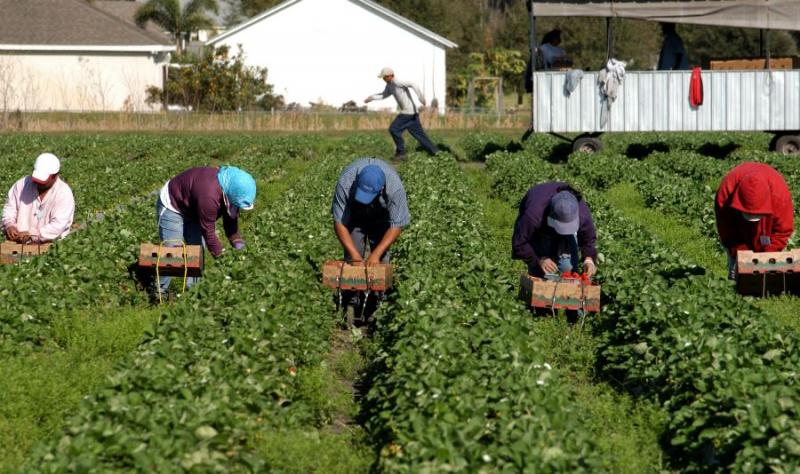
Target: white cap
x,y
47,164
387,71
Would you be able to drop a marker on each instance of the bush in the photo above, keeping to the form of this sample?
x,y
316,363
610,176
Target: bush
x,y
216,81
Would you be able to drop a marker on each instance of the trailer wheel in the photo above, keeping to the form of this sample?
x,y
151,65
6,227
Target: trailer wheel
x,y
587,145
773,141
788,145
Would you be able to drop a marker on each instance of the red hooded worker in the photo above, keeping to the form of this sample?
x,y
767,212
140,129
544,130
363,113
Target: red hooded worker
x,y
754,211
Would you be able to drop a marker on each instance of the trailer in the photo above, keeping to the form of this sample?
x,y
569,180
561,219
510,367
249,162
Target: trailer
x,y
658,101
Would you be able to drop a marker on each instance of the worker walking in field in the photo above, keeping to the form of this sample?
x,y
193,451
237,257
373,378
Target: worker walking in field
x,y
754,211
369,207
408,119
553,229
189,205
40,208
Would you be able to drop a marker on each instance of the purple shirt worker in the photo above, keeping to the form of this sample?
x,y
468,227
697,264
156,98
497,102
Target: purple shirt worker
x,y
553,227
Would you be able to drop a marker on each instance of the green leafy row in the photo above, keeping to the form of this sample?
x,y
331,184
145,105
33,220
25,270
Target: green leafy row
x,y
460,381
724,372
90,270
229,364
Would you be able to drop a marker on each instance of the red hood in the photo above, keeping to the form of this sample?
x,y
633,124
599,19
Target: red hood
x,y
752,195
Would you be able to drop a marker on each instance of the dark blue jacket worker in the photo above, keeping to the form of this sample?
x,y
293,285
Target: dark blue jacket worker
x,y
369,207
553,227
369,204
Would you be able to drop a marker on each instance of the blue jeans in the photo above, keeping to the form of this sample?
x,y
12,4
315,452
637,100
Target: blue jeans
x,y
731,265
411,123
175,227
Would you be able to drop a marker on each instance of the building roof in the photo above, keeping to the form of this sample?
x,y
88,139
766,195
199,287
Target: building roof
x,y
52,25
367,4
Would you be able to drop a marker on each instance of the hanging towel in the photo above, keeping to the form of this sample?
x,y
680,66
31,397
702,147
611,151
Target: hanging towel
x,y
573,79
696,88
610,80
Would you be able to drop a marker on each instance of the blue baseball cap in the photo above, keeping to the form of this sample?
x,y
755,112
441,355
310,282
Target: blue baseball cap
x,y
369,183
564,216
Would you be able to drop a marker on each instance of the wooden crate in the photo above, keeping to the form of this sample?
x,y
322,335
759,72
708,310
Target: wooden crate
x,y
750,64
768,273
171,260
767,262
355,276
12,252
568,294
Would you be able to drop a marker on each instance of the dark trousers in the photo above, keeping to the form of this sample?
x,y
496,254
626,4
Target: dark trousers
x,y
414,126
562,249
362,234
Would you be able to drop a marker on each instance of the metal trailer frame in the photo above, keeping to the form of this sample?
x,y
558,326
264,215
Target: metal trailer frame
x,y
658,101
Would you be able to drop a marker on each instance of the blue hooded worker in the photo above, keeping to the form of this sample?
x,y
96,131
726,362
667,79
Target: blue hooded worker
x,y
189,205
369,208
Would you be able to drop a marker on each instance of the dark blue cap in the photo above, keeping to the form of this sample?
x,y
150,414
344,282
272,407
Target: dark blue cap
x,y
369,183
564,216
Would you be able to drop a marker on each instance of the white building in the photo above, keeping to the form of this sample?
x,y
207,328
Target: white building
x,y
331,51
70,55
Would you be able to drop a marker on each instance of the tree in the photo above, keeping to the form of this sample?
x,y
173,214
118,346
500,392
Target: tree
x,y
241,9
707,42
179,22
216,81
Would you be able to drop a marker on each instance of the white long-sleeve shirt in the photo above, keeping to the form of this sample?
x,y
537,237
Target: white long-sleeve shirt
x,y
44,219
401,90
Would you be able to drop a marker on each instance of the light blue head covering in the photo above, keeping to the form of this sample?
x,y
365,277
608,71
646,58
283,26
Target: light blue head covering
x,y
238,186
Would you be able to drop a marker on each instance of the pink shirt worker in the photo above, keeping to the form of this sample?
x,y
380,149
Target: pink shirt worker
x,y
40,207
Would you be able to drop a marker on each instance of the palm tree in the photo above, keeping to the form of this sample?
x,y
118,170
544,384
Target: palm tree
x,y
180,22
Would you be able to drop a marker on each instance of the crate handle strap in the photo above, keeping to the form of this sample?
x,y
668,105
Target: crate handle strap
x,y
553,299
339,296
368,290
158,263
366,277
583,305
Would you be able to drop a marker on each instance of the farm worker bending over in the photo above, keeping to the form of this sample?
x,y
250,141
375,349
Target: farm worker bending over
x,y
40,207
369,206
553,224
190,204
408,119
754,211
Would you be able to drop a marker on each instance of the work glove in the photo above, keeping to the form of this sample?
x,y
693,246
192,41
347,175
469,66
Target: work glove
x,y
238,244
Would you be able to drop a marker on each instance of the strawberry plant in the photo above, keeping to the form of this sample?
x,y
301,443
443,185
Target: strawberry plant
x,y
228,361
722,370
460,382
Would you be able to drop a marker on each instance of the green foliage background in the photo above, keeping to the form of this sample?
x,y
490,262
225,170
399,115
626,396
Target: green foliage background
x,y
479,26
214,81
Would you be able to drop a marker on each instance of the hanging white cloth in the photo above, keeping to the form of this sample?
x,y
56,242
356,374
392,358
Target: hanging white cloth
x,y
610,80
